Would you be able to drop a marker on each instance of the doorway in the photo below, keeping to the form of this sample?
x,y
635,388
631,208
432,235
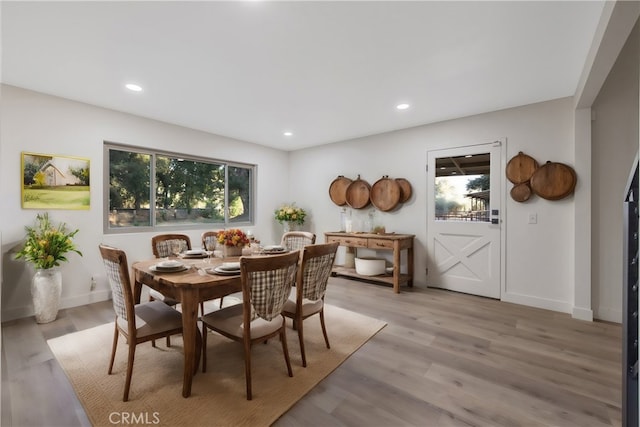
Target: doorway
x,y
464,219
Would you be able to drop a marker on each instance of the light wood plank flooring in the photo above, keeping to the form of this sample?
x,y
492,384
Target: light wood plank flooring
x,y
444,359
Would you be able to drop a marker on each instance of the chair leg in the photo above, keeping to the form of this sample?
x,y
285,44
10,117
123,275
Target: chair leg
x,y
127,384
324,329
221,298
247,366
299,322
204,347
113,349
168,341
285,350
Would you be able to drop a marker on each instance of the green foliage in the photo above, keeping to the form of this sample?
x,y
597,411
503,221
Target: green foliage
x,y
82,174
478,184
46,244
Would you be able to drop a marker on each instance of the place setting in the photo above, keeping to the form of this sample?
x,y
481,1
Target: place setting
x,y
225,269
195,254
169,266
273,250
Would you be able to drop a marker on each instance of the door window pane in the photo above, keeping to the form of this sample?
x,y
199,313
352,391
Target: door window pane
x,y
462,191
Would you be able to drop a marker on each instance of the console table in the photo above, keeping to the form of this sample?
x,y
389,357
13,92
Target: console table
x,y
389,242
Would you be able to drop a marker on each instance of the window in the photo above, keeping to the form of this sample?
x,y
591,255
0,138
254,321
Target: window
x,y
147,190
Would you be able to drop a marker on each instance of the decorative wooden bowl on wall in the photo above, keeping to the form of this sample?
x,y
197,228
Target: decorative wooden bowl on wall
x,y
338,190
358,194
554,181
385,194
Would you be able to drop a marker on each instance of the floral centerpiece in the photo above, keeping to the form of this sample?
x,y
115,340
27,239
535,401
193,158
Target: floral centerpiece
x,y
233,237
232,241
45,247
290,213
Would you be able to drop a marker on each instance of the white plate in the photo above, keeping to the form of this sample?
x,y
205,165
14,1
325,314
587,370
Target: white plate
x,y
220,271
230,266
195,252
273,248
169,264
157,269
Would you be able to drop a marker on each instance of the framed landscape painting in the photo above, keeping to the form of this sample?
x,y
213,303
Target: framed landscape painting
x,y
50,181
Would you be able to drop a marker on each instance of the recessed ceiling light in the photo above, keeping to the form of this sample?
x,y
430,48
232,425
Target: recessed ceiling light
x,y
442,167
468,156
133,87
287,133
402,106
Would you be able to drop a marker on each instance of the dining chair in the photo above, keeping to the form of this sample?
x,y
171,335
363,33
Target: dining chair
x,y
162,246
296,240
208,239
307,297
266,283
138,323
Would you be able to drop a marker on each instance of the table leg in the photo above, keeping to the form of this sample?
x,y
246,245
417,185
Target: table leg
x,y
191,337
410,265
396,266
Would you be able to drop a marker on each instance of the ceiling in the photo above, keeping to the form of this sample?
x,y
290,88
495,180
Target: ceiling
x,y
325,71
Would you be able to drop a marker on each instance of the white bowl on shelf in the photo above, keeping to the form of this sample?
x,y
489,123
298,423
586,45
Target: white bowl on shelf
x,y
370,266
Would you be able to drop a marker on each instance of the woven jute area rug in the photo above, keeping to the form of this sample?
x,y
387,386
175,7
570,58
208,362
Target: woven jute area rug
x,y
218,396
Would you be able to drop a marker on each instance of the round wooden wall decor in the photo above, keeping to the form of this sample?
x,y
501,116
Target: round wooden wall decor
x,y
405,189
358,194
385,194
521,192
553,181
338,190
520,168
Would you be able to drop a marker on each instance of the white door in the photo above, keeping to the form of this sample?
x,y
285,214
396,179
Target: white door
x,y
464,219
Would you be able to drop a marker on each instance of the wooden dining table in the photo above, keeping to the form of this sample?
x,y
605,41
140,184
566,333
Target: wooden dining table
x,y
190,287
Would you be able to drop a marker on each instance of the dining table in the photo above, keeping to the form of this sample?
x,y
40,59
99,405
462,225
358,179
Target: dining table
x,y
190,286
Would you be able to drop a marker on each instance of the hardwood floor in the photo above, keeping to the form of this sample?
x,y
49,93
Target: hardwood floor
x,y
444,359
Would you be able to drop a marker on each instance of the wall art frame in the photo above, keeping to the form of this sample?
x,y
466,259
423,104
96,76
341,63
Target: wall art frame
x,y
51,181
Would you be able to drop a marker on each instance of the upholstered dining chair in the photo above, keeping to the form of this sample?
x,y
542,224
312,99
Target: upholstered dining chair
x,y
208,238
162,246
296,240
266,283
307,297
138,323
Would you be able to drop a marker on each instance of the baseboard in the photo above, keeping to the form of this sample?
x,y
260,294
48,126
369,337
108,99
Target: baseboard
x,y
76,301
608,314
531,301
582,314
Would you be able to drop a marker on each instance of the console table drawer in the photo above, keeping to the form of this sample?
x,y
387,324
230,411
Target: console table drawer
x,y
380,244
348,241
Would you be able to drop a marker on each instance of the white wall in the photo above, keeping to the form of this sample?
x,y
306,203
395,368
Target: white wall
x,y
31,121
539,258
614,146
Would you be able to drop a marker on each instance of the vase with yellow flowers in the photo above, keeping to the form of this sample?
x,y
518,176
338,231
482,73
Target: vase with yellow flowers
x,y
290,216
46,246
232,241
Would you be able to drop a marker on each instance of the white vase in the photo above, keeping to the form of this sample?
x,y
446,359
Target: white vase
x,y
286,226
46,288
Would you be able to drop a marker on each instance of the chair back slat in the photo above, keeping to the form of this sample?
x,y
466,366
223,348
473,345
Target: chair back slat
x,y
296,240
267,281
317,263
162,243
209,237
117,271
